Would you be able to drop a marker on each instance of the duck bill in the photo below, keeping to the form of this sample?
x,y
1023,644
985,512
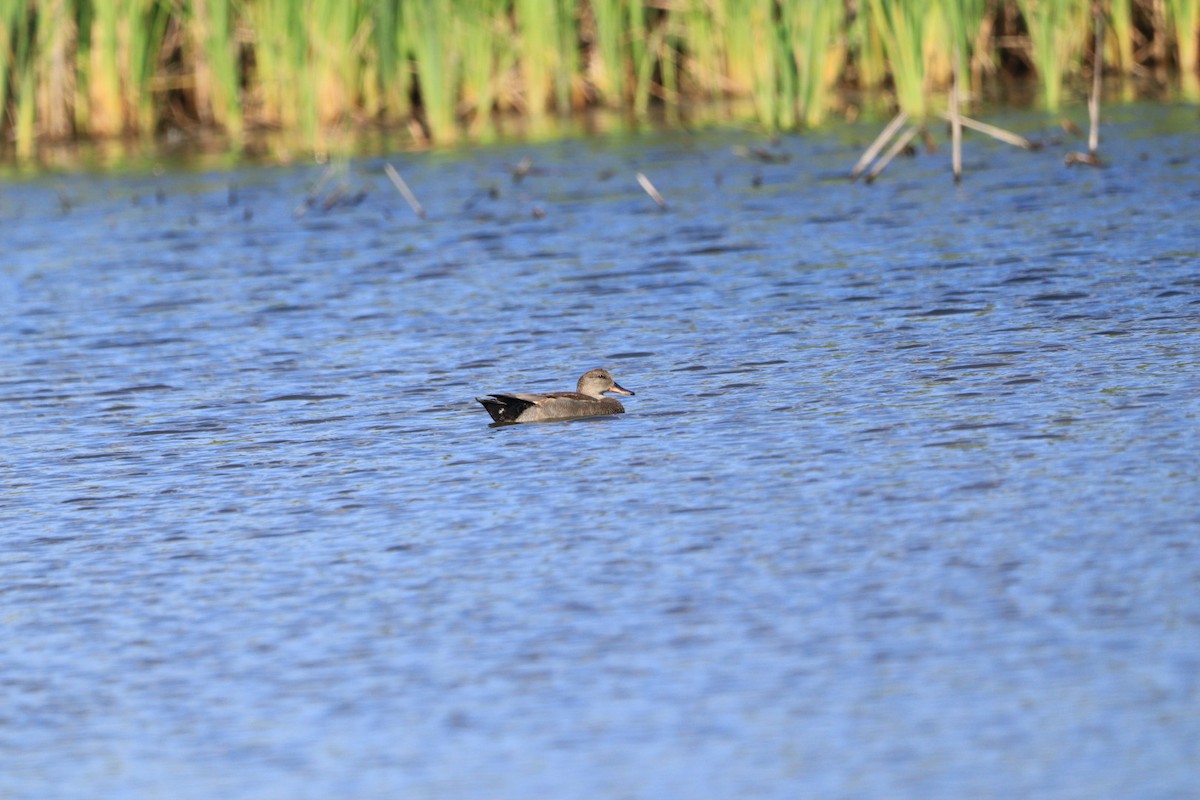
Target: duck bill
x,y
619,389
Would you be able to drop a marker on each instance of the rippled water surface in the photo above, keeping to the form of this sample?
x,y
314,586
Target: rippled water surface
x,y
906,505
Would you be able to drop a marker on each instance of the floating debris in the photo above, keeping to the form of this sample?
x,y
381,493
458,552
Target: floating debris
x,y
311,198
521,169
760,154
1084,159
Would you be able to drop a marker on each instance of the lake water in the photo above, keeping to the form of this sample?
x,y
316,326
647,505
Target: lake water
x,y
907,504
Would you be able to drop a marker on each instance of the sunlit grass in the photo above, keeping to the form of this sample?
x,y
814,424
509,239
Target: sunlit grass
x,y
901,27
104,68
1058,32
1183,24
217,93
964,21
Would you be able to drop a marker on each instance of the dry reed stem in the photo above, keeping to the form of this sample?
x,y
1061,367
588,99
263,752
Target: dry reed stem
x,y
650,190
894,151
882,139
1007,137
1097,76
1092,157
955,124
402,187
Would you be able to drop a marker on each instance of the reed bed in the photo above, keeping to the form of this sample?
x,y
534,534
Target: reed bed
x,y
443,69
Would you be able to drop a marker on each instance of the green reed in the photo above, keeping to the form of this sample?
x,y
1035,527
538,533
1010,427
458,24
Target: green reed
x,y
53,72
104,99
1058,32
901,27
484,39
964,20
1120,26
334,56
536,20
10,19
811,33
281,73
702,62
112,67
14,57
1183,23
607,71
429,38
865,50
383,61
642,47
216,70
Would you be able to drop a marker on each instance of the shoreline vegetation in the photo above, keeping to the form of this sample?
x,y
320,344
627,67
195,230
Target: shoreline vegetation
x,y
442,71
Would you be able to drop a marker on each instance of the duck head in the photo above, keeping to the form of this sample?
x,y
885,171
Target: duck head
x,y
596,382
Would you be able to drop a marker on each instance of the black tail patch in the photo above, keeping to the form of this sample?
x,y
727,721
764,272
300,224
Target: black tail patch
x,y
504,407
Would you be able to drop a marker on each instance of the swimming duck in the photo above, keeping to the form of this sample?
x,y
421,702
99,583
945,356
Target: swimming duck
x,y
587,400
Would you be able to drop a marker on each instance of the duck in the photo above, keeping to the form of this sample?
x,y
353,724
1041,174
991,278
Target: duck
x,y
587,400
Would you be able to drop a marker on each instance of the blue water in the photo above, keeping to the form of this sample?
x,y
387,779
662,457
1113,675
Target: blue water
x,y
907,504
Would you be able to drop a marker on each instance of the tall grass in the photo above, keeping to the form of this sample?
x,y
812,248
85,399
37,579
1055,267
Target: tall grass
x,y
1121,38
1183,24
216,64
642,47
485,38
813,55
445,68
1058,33
536,21
281,72
703,53
901,27
964,20
53,70
606,69
430,39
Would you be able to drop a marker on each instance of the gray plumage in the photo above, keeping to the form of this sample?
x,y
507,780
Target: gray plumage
x,y
587,400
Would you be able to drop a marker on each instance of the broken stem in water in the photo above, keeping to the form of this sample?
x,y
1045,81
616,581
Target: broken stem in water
x,y
877,145
1092,157
895,149
402,187
1097,75
996,133
650,190
955,124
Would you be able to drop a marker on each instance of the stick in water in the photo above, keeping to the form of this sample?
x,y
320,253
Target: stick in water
x,y
402,187
955,124
900,144
877,145
1092,157
996,133
650,190
1097,75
